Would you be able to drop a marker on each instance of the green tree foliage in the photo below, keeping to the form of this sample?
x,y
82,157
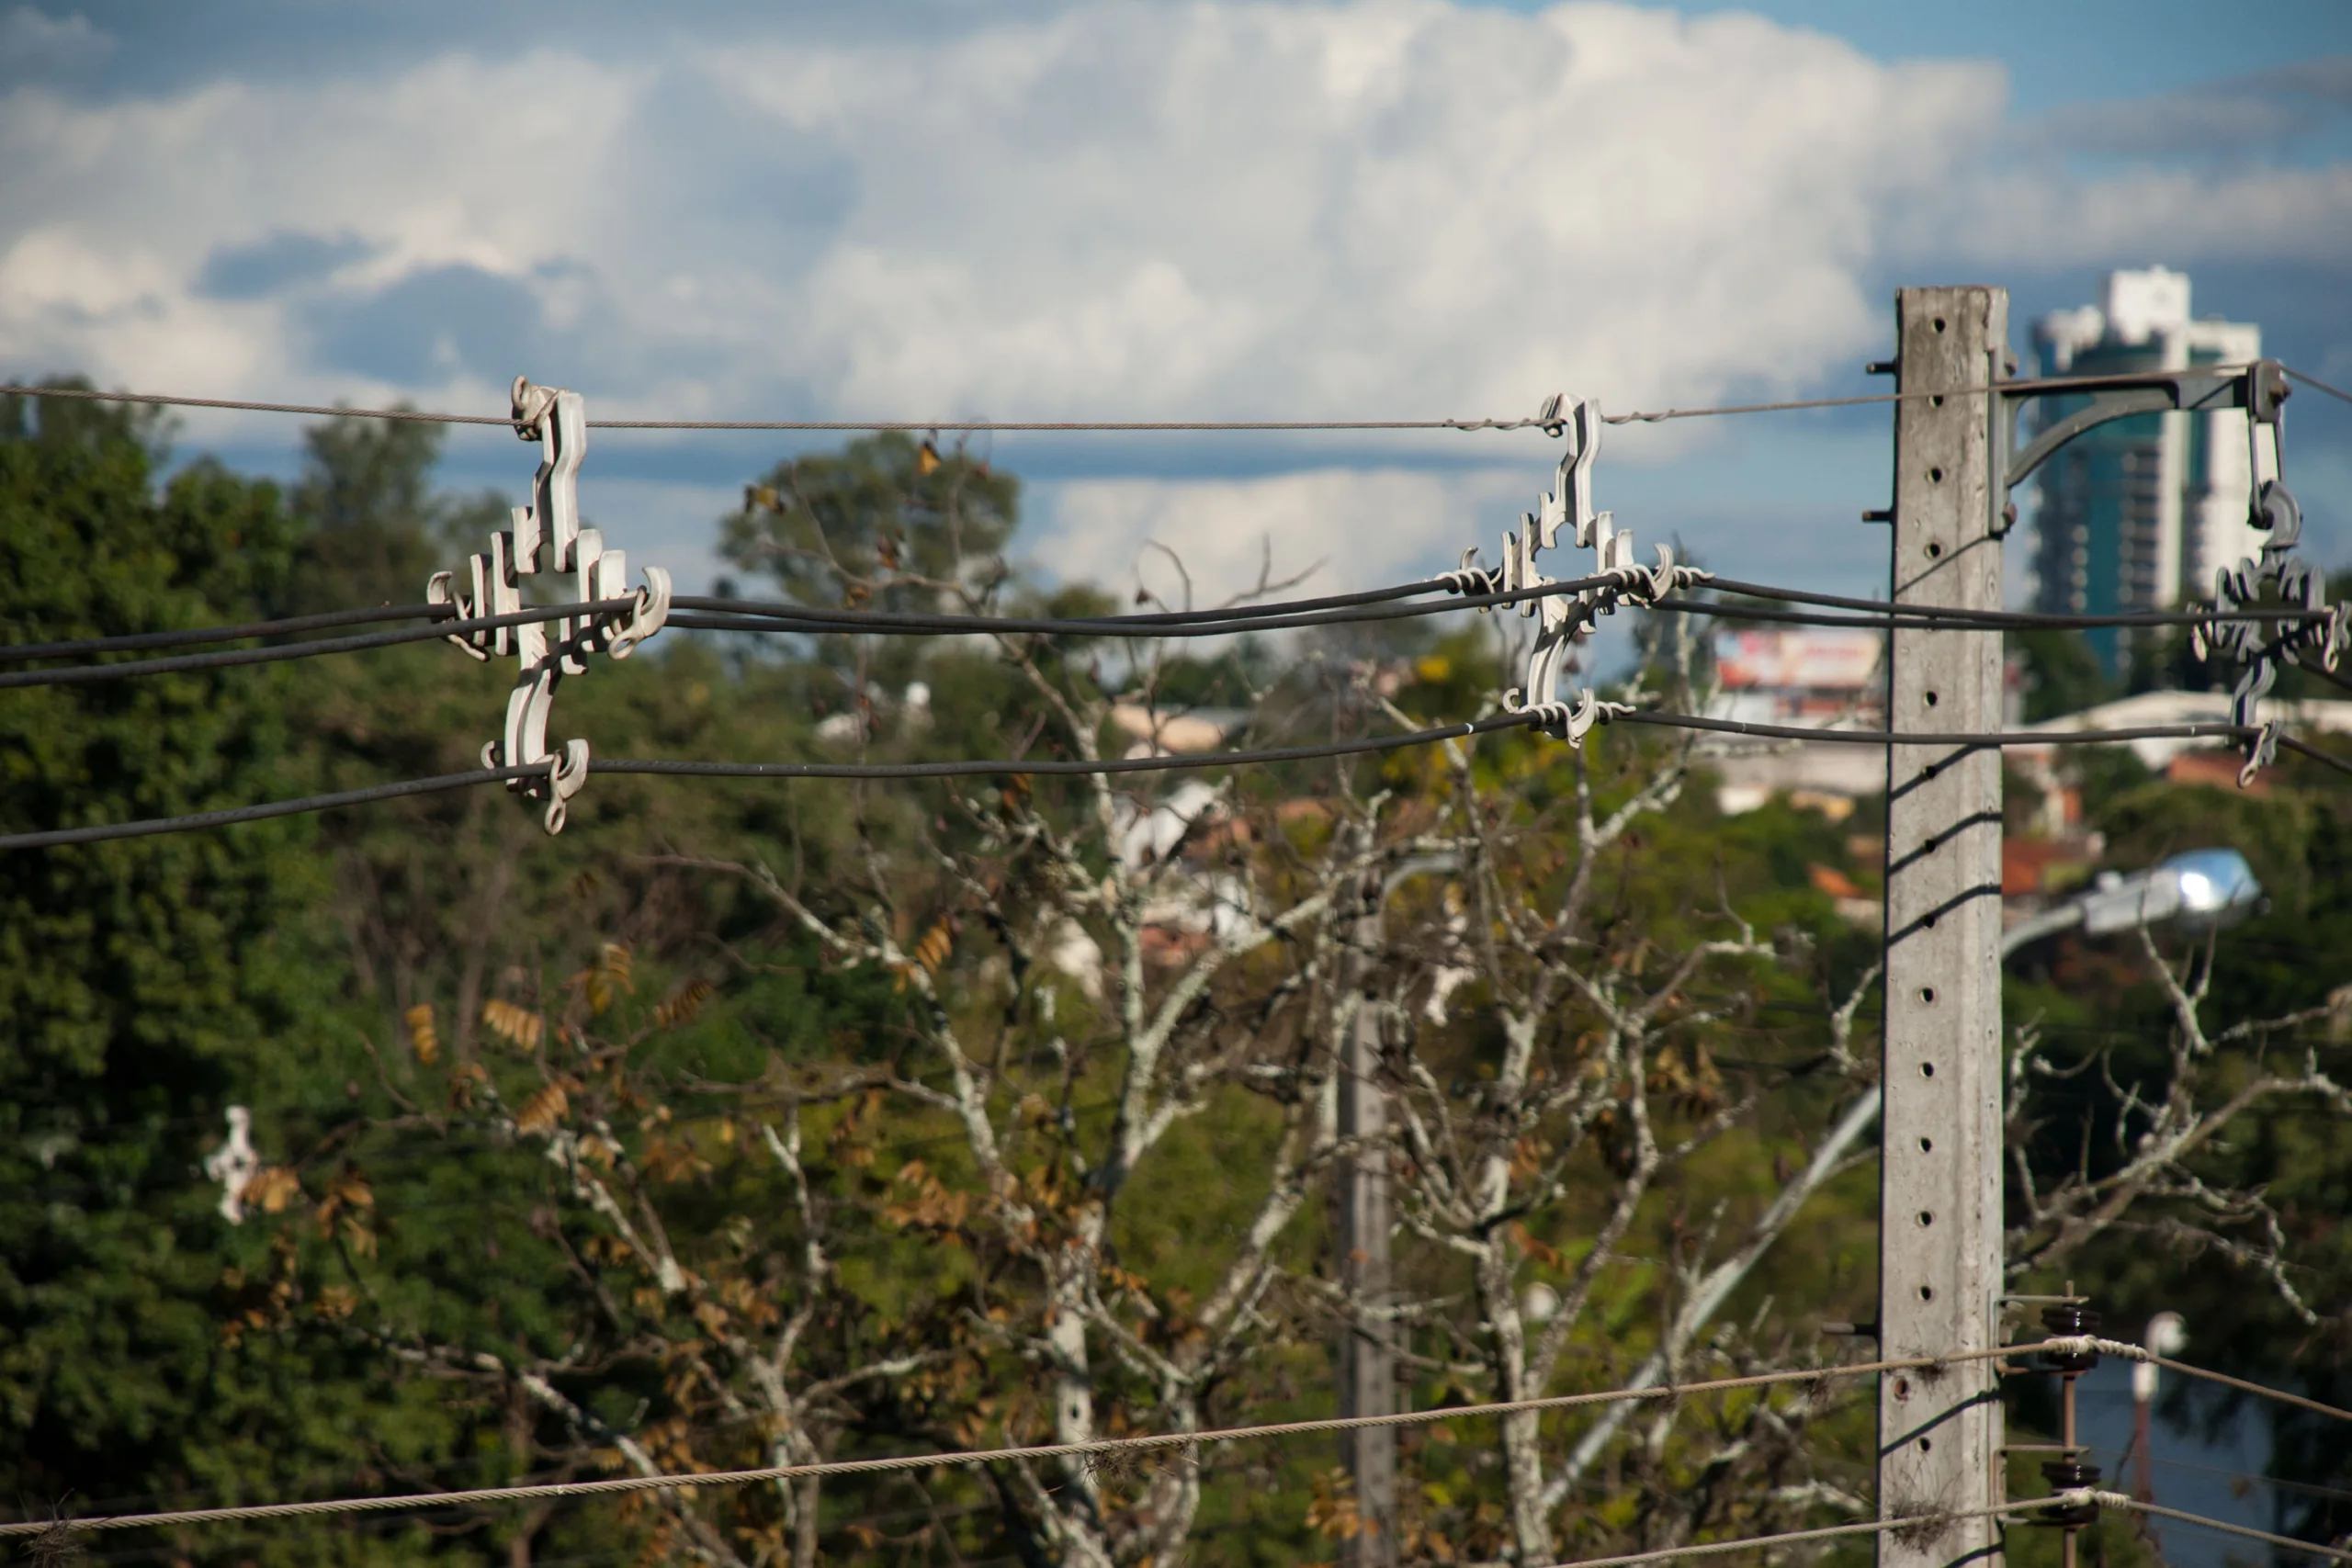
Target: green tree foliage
x,y
886,513
141,981
372,526
653,1145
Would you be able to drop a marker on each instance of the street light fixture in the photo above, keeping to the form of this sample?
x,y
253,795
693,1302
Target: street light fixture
x,y
2199,890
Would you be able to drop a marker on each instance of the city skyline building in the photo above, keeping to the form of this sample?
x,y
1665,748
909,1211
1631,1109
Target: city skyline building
x,y
2141,514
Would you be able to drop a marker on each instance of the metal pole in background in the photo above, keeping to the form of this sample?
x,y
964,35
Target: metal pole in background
x,y
1939,1217
1367,1365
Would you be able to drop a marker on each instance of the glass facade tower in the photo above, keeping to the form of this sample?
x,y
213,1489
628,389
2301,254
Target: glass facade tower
x,y
2142,513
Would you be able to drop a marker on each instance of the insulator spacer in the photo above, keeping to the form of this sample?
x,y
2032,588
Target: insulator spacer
x,y
2065,1321
2067,1475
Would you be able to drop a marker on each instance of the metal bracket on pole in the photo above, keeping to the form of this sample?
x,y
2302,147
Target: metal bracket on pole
x,y
1939,1239
2259,388
2275,579
547,651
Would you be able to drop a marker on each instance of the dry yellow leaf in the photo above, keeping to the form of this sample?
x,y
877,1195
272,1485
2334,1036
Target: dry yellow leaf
x,y
518,1026
421,1034
683,1004
933,950
543,1110
270,1190
608,978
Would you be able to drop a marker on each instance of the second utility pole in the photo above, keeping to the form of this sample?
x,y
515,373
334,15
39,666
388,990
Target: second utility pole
x,y
1367,1367
1940,1193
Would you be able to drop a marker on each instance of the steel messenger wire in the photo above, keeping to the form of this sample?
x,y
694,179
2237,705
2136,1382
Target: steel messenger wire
x,y
2316,385
2286,1542
2018,1512
1059,766
628,1483
1550,423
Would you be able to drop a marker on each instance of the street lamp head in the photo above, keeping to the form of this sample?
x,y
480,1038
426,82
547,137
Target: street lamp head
x,y
2215,886
2199,890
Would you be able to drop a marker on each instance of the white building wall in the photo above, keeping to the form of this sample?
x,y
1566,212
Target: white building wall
x,y
2218,534
2195,532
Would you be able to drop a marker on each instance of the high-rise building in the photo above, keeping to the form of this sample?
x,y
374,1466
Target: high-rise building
x,y
2140,513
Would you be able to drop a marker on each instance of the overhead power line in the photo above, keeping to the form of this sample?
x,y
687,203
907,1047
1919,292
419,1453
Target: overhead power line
x,y
1164,1440
2019,618
1793,1537
2140,1353
1545,421
2285,1543
81,647
2020,1511
754,615
707,613
373,614
101,832
2316,385
1099,1446
179,664
1056,766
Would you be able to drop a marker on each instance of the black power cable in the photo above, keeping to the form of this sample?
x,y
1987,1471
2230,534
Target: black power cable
x,y
977,769
374,615
84,646
793,618
1068,766
82,674
2021,618
701,613
103,831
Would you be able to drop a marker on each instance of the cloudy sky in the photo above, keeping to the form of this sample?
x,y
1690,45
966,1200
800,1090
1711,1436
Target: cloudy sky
x,y
920,208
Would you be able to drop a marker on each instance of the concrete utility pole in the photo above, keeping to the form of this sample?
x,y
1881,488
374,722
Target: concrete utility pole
x,y
1940,1192
1367,1364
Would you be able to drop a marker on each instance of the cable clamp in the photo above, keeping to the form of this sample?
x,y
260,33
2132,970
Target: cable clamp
x,y
1564,721
2261,752
1563,618
2075,1501
1469,578
549,530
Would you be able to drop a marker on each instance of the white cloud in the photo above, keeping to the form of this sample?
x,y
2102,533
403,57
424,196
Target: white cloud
x,y
1235,209
1352,527
1400,207
34,44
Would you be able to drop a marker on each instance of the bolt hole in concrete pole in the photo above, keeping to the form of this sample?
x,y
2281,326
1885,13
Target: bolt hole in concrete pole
x,y
1927,1218
1935,551
1926,1069
1928,994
